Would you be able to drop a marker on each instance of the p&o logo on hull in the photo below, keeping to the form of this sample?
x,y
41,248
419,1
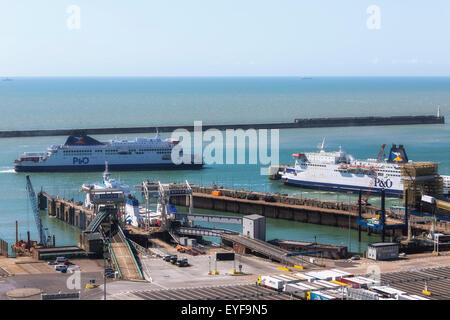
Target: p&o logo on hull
x,y
386,184
80,161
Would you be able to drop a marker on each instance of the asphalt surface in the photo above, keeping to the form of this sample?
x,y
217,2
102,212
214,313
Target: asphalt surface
x,y
231,292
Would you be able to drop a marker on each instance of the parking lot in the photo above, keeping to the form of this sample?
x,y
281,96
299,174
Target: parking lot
x,y
225,292
413,282
168,275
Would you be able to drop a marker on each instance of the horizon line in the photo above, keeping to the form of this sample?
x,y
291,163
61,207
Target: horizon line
x,y
224,76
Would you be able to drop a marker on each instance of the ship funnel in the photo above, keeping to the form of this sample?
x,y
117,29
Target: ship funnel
x,y
397,154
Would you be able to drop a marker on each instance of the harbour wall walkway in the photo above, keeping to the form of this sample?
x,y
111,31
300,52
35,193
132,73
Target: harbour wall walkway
x,y
297,124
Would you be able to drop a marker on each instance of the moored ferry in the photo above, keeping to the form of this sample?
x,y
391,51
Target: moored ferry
x,y
135,214
84,153
338,171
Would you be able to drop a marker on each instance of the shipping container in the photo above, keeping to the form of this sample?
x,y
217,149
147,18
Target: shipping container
x,y
416,297
343,273
305,276
289,279
361,294
272,282
317,295
297,289
387,292
327,275
358,282
301,288
327,284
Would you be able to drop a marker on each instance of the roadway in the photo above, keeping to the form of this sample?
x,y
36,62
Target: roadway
x,y
125,259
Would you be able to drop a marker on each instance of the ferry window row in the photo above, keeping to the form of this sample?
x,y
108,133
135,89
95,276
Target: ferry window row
x,y
77,152
154,149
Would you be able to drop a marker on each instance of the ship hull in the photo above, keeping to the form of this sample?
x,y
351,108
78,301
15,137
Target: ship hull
x,y
112,167
339,187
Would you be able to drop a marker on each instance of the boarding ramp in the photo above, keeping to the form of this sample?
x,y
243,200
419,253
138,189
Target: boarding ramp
x,y
267,249
204,232
123,256
99,218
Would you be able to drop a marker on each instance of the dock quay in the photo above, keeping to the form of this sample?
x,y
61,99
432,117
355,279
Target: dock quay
x,y
66,210
277,206
296,124
247,203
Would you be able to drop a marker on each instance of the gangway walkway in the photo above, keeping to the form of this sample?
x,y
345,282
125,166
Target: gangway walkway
x,y
268,250
93,226
203,231
124,257
212,218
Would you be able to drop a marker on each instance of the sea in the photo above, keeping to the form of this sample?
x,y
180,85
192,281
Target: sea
x,y
50,103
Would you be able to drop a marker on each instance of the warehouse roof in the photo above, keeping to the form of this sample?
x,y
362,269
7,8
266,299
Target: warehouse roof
x,y
383,244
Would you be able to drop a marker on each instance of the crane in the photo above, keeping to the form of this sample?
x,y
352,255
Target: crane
x,y
43,236
374,175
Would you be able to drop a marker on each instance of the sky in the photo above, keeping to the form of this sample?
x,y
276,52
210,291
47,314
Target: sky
x,y
224,38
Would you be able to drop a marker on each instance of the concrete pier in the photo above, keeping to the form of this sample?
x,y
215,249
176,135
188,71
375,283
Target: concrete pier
x,y
66,210
276,206
298,123
330,213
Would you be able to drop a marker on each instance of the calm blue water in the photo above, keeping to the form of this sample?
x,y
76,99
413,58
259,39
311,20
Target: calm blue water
x,y
28,103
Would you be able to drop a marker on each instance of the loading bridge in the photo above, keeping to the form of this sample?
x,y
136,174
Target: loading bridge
x,y
99,218
266,249
201,231
208,218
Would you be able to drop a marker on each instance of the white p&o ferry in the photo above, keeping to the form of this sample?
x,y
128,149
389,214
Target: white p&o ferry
x,y
338,171
84,153
134,213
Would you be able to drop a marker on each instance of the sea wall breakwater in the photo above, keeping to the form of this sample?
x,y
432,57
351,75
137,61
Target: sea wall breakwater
x,y
296,124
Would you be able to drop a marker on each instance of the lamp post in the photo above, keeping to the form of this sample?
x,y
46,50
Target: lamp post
x,y
105,255
349,224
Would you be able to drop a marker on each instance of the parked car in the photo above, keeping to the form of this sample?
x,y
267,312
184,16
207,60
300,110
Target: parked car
x,y
166,258
252,196
61,259
173,259
61,268
357,257
270,199
52,263
67,263
182,262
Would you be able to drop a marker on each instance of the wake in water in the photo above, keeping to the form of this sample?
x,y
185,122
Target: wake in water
x,y
7,171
